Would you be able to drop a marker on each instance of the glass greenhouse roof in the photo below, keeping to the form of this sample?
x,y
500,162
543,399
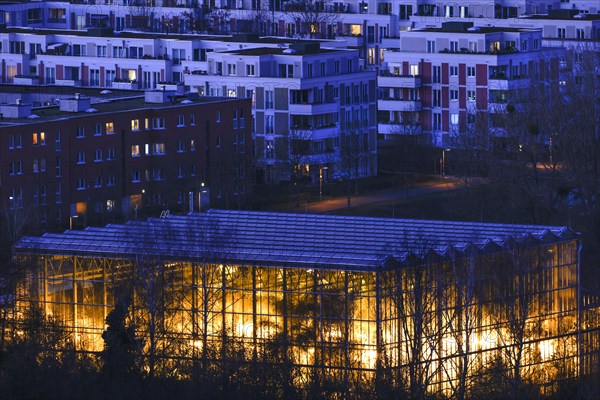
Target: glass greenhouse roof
x,y
262,238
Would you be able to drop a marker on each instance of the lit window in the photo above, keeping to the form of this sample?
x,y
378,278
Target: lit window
x,y
135,124
158,149
454,119
110,205
135,150
192,145
110,129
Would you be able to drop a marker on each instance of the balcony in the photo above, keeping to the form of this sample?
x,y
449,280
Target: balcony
x,y
318,133
399,105
393,128
68,82
125,85
390,43
194,67
353,40
497,108
26,80
399,81
313,108
502,83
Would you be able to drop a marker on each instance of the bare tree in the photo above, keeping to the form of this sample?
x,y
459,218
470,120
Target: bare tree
x,y
299,157
463,318
515,310
352,152
416,292
142,14
198,18
314,17
220,20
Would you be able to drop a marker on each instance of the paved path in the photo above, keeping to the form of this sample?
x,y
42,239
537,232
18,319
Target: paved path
x,y
329,205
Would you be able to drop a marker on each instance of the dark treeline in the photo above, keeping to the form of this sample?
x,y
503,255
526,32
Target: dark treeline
x,y
41,361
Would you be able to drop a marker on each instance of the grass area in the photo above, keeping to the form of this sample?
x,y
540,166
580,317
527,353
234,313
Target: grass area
x,y
484,203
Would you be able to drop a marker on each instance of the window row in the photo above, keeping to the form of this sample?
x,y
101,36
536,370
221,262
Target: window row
x,y
98,155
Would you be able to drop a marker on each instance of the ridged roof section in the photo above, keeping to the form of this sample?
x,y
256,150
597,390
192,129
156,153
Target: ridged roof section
x,y
263,238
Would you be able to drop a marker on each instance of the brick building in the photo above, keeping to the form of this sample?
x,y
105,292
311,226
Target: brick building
x,y
99,161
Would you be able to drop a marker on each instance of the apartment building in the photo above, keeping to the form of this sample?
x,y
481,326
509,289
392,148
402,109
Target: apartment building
x,y
445,80
306,100
119,157
100,57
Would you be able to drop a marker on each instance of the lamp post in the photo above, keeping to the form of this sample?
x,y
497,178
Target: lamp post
x,y
202,190
71,221
444,162
321,169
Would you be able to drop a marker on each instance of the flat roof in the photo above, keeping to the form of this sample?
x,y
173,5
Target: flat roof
x,y
126,102
235,38
564,15
261,51
285,239
477,30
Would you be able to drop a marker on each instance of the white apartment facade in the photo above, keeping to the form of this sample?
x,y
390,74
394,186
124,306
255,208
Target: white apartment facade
x,y
107,59
306,101
449,81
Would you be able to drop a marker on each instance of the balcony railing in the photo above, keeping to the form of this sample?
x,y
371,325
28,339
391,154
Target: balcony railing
x,y
386,79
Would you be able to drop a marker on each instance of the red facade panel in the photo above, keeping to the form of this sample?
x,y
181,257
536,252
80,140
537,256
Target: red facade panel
x,y
85,75
462,97
445,120
445,73
426,97
481,74
102,77
481,98
426,120
59,72
445,97
462,120
426,72
462,74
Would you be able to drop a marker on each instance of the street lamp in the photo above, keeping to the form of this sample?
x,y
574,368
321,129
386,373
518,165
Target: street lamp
x,y
321,169
444,162
71,221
